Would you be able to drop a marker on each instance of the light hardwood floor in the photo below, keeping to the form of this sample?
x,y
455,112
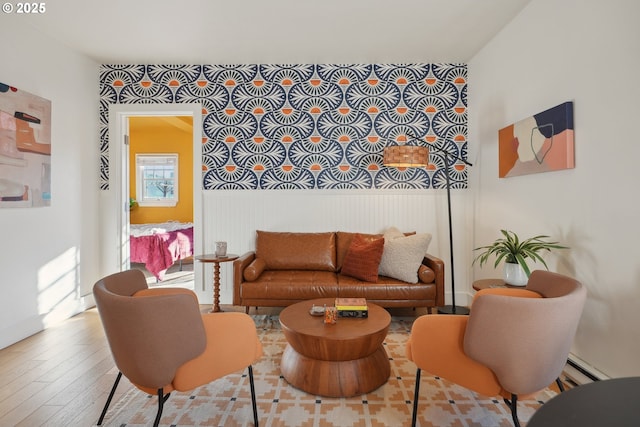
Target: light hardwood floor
x,y
62,376
58,377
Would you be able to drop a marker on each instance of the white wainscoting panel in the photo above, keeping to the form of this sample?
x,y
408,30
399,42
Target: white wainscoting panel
x,y
234,217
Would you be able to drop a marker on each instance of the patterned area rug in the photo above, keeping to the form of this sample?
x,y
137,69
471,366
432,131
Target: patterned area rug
x,y
226,402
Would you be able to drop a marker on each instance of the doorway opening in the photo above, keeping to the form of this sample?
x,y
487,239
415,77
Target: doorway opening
x,y
161,199
171,131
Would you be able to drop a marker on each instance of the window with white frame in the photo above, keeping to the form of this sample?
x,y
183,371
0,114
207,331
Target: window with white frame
x,y
157,179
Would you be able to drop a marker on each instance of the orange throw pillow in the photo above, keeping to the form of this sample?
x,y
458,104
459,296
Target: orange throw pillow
x,y
363,258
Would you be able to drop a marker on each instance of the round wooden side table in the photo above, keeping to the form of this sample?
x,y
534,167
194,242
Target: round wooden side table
x,y
216,260
492,283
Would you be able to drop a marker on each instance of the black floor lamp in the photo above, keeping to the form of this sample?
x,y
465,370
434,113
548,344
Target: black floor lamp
x,y
416,156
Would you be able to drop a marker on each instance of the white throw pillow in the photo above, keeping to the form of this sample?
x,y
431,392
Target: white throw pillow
x,y
392,233
402,255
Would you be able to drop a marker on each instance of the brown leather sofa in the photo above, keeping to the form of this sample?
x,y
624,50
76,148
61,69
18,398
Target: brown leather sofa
x,y
287,268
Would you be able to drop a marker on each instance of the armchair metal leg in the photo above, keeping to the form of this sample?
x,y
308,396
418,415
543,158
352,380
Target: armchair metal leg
x,y
513,405
106,405
161,399
560,385
416,394
253,397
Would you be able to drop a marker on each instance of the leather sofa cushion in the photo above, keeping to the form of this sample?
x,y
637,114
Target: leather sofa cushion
x,y
296,251
386,289
292,285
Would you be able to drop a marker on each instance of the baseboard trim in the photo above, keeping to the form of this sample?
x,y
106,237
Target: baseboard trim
x,y
580,372
19,331
26,327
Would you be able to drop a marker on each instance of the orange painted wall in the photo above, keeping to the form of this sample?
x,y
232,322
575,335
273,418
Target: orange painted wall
x,y
163,135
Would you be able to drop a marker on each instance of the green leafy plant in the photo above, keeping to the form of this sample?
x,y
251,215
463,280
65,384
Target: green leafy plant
x,y
511,249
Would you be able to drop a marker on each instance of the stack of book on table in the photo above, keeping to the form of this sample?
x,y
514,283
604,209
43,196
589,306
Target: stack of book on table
x,y
352,307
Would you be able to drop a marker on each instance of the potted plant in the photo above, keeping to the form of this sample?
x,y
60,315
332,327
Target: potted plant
x,y
514,252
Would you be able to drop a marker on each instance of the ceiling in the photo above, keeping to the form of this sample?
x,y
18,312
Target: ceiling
x,y
274,31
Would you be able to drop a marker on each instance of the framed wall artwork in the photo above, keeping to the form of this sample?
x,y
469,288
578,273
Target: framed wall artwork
x,y
541,143
25,149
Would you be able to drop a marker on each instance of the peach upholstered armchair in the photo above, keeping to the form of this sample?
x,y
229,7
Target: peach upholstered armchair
x,y
514,343
161,342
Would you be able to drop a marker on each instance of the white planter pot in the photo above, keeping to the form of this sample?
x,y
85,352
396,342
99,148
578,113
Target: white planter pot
x,y
514,275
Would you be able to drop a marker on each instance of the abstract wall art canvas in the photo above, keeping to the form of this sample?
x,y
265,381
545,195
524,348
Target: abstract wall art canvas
x,y
543,142
25,148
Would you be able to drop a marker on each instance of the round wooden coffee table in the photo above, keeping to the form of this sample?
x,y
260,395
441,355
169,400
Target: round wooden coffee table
x,y
340,360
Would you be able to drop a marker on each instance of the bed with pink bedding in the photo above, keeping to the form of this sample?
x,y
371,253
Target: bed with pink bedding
x,y
159,246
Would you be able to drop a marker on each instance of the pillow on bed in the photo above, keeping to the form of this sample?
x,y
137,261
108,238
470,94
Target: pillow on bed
x,y
402,255
362,258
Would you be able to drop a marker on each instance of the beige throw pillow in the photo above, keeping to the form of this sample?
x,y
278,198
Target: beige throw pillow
x,y
402,255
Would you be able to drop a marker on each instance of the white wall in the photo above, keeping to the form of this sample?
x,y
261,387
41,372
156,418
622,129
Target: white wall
x,y
49,255
586,52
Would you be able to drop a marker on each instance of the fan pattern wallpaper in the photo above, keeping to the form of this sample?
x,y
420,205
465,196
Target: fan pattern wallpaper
x,y
314,126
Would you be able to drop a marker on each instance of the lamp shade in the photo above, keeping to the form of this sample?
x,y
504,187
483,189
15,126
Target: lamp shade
x,y
406,156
